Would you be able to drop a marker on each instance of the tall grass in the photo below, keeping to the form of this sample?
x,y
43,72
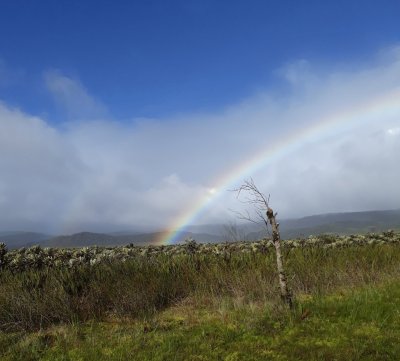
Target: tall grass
x,y
35,299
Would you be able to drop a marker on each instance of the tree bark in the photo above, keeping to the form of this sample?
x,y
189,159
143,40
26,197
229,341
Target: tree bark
x,y
286,295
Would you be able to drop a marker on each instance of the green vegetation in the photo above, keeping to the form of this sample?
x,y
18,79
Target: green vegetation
x,y
37,257
208,306
357,325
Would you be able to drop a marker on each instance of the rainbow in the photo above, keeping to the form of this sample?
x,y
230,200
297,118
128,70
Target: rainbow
x,y
386,105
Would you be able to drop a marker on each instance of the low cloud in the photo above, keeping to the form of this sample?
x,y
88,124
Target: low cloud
x,y
105,175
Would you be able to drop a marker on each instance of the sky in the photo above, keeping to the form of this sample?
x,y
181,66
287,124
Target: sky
x,y
145,114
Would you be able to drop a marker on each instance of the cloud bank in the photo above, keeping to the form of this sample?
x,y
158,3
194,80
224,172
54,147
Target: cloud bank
x,y
96,173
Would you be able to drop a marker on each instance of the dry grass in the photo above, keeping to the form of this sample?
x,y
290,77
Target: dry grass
x,y
141,287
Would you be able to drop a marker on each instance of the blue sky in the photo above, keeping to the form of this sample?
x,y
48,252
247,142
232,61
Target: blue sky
x,y
128,115
159,58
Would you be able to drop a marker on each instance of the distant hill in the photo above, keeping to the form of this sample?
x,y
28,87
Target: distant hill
x,y
82,239
22,239
337,223
85,239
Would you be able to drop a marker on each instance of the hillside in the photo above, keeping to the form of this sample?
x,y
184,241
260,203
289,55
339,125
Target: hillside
x,y
86,239
19,239
336,223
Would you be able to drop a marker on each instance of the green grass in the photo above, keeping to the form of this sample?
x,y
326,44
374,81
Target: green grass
x,y
206,307
361,324
35,299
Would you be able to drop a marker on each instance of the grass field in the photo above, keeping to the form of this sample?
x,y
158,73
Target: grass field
x,y
208,308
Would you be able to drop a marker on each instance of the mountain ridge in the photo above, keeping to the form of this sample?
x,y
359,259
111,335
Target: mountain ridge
x,y
337,223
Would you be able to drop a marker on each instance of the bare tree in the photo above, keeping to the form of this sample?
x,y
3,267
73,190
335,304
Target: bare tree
x,y
266,215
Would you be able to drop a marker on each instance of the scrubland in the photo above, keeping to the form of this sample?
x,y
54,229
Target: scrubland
x,y
203,302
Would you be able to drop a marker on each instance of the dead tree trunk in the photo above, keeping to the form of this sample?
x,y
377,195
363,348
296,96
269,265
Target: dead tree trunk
x,y
261,205
276,239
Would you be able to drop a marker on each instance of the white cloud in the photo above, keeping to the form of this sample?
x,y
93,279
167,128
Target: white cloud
x,y
108,175
296,72
70,94
394,131
38,171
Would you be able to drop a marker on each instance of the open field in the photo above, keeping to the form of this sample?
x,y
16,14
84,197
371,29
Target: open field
x,y
194,304
359,324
